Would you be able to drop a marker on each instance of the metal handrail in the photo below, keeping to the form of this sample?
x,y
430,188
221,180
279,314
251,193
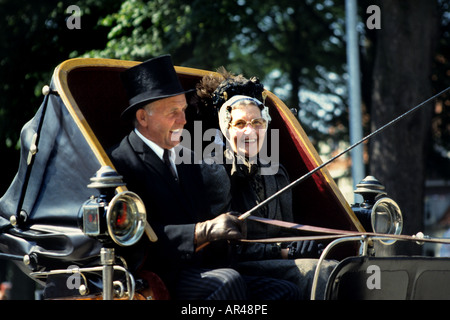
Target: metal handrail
x,y
131,284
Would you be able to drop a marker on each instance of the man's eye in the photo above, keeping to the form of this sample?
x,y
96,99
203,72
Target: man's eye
x,y
176,112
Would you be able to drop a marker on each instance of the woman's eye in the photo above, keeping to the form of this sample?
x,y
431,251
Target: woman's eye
x,y
240,124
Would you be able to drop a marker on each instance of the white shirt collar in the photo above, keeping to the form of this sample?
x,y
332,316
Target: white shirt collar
x,y
157,149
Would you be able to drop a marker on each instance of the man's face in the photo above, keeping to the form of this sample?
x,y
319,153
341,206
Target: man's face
x,y
162,121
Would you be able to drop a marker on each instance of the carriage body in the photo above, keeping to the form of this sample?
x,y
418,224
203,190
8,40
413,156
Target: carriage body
x,y
79,119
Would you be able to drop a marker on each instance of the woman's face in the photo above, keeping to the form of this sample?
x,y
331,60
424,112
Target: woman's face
x,y
245,139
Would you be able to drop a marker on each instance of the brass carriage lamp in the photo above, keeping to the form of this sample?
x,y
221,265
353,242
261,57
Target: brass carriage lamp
x,y
118,217
377,213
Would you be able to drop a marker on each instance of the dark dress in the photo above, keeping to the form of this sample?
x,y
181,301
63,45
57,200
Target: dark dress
x,y
248,188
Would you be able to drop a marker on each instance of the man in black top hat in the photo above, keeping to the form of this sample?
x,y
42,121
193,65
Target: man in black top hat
x,y
174,195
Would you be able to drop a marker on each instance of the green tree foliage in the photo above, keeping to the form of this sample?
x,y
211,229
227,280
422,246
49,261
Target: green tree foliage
x,y
195,33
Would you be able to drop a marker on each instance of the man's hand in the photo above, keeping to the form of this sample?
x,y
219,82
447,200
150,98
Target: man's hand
x,y
223,227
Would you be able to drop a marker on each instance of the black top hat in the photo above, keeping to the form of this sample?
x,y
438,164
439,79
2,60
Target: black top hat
x,y
149,81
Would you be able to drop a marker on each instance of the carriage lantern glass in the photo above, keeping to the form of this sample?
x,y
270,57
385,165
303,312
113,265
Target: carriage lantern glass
x,y
118,217
125,218
377,213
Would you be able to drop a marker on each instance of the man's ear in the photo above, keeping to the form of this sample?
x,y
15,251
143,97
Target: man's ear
x,y
141,117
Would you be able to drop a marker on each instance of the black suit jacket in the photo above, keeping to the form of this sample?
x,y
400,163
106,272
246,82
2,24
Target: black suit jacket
x,y
172,208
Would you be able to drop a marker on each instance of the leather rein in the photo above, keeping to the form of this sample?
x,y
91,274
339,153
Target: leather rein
x,y
329,234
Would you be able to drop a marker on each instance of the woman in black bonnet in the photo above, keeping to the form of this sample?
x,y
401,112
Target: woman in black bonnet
x,y
244,119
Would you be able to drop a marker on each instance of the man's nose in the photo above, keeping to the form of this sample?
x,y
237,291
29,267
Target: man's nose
x,y
182,118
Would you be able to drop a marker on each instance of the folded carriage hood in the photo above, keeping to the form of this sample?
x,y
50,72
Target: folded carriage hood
x,y
56,189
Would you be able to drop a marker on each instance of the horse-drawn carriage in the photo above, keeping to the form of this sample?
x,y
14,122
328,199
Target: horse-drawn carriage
x,y
67,208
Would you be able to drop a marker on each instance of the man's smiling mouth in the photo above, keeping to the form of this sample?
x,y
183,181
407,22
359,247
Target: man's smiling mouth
x,y
176,134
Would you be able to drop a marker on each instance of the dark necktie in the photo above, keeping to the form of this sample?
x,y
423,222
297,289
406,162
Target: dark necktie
x,y
166,159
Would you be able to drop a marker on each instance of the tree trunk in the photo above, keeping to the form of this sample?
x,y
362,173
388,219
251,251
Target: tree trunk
x,y
401,79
